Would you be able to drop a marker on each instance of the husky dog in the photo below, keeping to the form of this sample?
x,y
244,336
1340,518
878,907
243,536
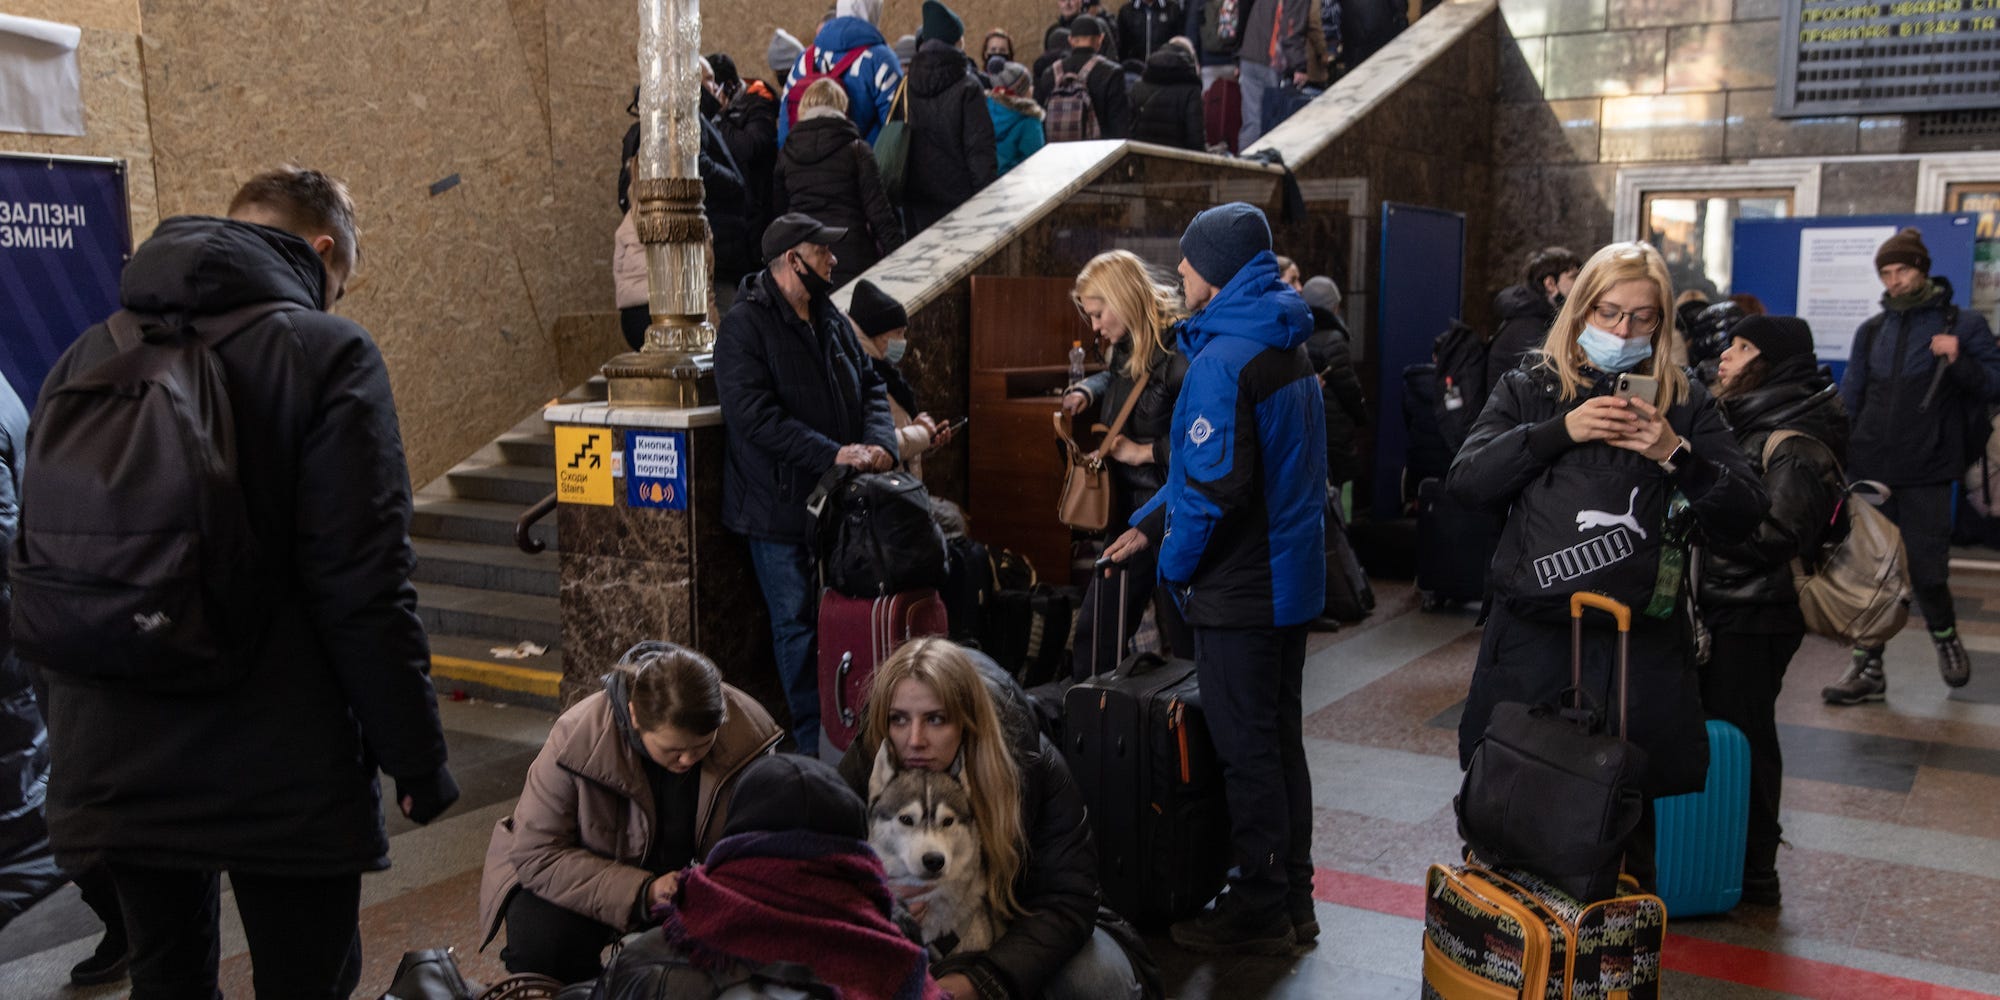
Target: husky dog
x,y
921,823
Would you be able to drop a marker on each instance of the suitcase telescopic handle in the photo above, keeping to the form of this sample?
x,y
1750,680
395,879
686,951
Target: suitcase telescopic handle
x,y
840,707
1623,614
1589,599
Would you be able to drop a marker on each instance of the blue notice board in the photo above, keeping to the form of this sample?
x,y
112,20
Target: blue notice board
x,y
1423,284
1841,290
65,234
656,469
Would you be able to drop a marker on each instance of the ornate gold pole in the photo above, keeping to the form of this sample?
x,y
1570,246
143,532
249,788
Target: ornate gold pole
x,y
671,368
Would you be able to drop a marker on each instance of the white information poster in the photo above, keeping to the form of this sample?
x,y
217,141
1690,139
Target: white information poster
x,y
1838,289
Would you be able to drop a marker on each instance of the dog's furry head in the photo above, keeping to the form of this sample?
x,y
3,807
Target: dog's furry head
x,y
921,822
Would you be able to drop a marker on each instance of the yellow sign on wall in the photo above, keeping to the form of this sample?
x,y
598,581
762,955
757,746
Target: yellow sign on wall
x,y
583,465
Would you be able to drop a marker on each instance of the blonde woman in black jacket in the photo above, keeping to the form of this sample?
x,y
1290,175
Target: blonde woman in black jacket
x,y
1604,494
1769,381
1135,313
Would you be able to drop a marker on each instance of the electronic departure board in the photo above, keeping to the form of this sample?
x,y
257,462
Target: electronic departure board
x,y
1848,57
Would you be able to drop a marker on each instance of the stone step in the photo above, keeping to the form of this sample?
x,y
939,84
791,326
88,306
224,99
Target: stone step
x,y
514,484
483,522
467,664
486,567
530,450
506,618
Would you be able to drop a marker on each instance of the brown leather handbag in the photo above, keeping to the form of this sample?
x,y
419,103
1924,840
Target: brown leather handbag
x,y
1085,503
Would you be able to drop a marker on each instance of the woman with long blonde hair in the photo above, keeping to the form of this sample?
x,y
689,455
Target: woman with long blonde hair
x,y
1609,463
937,708
1135,312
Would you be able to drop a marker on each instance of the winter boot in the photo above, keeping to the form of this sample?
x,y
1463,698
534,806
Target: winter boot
x,y
1863,680
1235,927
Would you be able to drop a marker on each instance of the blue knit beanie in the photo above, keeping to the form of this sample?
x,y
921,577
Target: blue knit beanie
x,y
1223,239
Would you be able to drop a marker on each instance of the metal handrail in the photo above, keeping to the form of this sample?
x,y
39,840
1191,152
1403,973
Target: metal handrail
x,y
524,527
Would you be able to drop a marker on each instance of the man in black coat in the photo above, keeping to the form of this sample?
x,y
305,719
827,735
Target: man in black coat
x,y
748,122
1919,376
1105,84
798,398
1067,11
952,154
1527,309
1145,25
271,778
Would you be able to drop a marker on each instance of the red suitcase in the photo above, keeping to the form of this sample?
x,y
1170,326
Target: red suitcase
x,y
1222,112
855,634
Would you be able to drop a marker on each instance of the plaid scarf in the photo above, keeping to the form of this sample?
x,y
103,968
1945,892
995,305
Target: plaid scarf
x,y
804,897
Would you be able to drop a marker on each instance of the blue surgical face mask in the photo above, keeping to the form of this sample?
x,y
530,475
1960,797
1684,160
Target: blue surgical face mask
x,y
1611,353
893,353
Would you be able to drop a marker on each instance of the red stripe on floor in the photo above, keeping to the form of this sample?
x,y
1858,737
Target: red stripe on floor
x,y
1695,956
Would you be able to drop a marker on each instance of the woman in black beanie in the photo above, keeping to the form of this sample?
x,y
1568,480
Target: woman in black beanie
x,y
1768,380
883,325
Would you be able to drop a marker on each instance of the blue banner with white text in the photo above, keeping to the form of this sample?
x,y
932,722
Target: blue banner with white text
x,y
65,234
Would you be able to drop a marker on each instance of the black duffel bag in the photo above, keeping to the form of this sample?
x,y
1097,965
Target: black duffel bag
x,y
877,536
1549,790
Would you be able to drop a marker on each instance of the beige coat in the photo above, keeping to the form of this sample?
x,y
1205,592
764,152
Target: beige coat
x,y
585,818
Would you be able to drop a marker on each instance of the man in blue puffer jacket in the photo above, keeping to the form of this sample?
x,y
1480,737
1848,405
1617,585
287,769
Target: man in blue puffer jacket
x,y
1913,442
871,81
1242,548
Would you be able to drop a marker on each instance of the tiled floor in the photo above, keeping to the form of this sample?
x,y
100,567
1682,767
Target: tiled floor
x,y
1892,814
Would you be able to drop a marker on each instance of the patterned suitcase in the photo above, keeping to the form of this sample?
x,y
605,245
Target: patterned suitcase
x,y
1504,933
1699,837
855,634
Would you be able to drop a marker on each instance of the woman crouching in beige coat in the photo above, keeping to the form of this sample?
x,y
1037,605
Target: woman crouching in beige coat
x,y
631,787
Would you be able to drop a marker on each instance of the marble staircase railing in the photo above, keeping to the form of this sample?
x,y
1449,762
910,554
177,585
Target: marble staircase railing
x,y
952,248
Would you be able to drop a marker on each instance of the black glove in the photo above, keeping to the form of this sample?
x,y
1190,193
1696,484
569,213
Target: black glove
x,y
429,795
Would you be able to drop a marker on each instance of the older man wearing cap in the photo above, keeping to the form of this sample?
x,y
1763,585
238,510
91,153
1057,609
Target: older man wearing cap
x,y
1242,549
798,397
1917,381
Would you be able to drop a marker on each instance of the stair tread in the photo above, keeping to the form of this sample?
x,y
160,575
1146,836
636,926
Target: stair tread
x,y
485,510
491,555
542,609
517,473
479,648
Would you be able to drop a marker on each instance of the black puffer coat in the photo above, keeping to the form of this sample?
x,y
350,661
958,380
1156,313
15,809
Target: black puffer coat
x,y
275,775
1346,409
750,126
1519,459
1144,28
829,173
1525,315
1057,884
725,199
1748,586
1166,102
951,135
792,394
1887,376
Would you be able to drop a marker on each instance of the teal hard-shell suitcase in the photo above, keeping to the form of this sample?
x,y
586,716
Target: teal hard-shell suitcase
x,y
1699,837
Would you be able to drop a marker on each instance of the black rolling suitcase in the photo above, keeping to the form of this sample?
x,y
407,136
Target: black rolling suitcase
x,y
1455,547
1137,743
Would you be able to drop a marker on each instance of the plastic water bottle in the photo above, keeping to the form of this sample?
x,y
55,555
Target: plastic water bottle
x,y
1075,361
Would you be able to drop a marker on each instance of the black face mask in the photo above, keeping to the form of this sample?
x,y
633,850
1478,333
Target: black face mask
x,y
815,286
1558,300
710,104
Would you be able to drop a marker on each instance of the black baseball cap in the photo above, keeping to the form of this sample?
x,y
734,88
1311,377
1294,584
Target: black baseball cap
x,y
793,228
